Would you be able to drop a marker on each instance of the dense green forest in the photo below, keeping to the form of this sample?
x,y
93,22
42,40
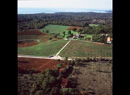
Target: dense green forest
x,y
37,21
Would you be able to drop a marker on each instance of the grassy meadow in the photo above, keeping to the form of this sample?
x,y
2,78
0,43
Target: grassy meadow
x,y
54,28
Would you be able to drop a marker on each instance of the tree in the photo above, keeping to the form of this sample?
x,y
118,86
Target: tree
x,y
103,39
58,60
45,83
40,78
74,29
47,31
69,32
39,92
47,72
55,35
85,25
64,33
52,80
58,65
66,58
80,30
50,38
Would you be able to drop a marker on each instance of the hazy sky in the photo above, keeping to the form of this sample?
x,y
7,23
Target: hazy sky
x,y
90,4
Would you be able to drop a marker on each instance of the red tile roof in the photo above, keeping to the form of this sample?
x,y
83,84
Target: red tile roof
x,y
64,82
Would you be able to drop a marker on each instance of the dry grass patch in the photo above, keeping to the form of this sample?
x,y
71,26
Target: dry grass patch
x,y
94,78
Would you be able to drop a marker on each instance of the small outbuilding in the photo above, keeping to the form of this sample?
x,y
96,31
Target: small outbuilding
x,y
109,40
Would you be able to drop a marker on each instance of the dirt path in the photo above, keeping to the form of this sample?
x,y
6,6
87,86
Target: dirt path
x,y
41,57
54,58
63,48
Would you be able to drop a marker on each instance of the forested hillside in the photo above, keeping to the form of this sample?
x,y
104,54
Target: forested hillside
x,y
37,21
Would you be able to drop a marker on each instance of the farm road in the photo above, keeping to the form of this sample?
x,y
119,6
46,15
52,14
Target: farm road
x,y
42,57
55,58
63,48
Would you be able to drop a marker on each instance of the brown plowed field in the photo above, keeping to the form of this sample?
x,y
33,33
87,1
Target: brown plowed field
x,y
23,44
70,28
32,32
37,64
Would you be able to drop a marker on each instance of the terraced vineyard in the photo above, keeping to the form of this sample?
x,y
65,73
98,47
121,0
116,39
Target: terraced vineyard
x,y
77,48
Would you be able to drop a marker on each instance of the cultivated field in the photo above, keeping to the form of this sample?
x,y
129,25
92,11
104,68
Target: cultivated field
x,y
77,48
93,25
32,37
54,28
26,64
43,49
70,28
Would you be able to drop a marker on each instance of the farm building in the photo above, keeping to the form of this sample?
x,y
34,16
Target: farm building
x,y
109,39
82,35
78,35
104,34
64,83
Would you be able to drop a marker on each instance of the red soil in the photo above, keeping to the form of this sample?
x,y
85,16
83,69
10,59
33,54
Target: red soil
x,y
32,32
70,28
37,64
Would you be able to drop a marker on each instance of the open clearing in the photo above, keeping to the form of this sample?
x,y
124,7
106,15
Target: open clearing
x,y
77,48
94,78
54,28
43,49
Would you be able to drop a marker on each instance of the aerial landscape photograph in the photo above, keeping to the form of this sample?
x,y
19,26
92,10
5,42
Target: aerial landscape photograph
x,y
64,47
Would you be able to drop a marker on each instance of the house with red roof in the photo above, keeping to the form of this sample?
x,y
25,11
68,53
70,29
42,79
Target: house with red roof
x,y
64,83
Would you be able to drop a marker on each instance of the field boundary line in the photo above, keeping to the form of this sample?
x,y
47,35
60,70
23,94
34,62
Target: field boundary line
x,y
63,47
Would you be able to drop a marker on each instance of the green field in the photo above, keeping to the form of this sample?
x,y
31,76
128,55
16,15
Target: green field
x,y
43,49
54,28
78,48
93,25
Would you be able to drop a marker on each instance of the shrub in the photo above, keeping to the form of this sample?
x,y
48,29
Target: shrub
x,y
55,72
52,80
87,58
50,38
64,71
65,91
58,60
61,64
94,58
100,59
38,92
66,58
58,65
40,78
45,83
